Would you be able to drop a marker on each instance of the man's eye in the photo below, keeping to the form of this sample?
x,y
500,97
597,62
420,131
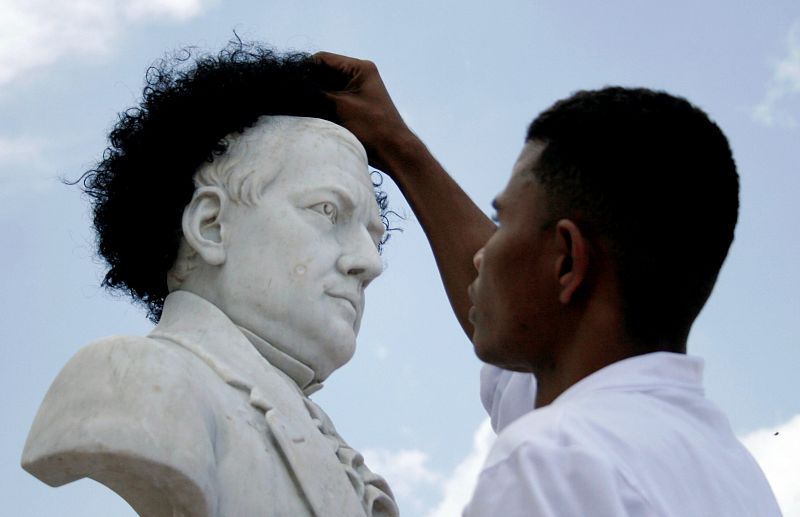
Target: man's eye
x,y
327,209
495,220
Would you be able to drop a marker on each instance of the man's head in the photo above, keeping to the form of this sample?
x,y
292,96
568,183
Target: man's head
x,y
282,235
651,188
146,177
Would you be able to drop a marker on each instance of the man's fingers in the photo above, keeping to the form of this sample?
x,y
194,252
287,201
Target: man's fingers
x,y
329,58
339,72
362,102
345,64
333,71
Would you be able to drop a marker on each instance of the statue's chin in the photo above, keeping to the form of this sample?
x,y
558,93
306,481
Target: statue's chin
x,y
334,357
324,347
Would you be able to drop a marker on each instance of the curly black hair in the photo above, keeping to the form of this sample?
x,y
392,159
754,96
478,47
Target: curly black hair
x,y
189,104
654,176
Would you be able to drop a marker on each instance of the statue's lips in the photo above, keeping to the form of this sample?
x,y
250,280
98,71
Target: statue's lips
x,y
349,298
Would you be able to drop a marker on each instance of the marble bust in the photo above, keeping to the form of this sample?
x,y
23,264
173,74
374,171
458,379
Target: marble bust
x,y
209,414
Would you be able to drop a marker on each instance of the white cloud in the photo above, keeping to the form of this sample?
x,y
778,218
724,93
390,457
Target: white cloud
x,y
408,474
175,9
777,450
785,83
458,488
36,33
418,487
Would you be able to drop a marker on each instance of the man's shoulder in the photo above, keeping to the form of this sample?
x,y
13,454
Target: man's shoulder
x,y
619,431
539,466
610,421
654,447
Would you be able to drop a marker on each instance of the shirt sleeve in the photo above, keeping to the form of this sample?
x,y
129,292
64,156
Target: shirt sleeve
x,y
506,395
553,481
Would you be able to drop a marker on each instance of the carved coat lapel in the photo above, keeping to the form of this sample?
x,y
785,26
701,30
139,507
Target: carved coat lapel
x,y
203,329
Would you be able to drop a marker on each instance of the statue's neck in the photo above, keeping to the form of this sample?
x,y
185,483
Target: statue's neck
x,y
301,374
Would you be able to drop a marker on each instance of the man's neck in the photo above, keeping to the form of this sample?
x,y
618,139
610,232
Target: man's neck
x,y
587,344
586,357
552,382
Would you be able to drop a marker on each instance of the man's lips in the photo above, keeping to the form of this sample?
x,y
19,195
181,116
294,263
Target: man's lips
x,y
471,296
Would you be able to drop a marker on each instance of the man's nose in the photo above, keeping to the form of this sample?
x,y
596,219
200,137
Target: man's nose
x,y
477,259
360,258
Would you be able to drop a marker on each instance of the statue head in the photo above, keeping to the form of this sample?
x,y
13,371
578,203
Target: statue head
x,y
282,235
190,109
231,131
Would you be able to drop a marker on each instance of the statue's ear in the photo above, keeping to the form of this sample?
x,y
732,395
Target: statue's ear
x,y
202,224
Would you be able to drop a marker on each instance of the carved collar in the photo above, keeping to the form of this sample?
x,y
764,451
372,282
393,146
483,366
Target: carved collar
x,y
235,353
301,374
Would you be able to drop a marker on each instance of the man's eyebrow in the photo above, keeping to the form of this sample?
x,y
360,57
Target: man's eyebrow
x,y
496,204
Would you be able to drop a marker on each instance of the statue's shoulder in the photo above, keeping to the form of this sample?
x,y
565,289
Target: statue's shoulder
x,y
128,412
126,377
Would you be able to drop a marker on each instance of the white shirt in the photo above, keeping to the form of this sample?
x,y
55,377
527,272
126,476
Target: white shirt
x,y
636,438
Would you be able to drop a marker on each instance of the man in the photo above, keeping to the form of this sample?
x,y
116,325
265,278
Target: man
x,y
251,231
610,234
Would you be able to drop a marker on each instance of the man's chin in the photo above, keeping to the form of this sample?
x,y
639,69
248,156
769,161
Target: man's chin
x,y
491,352
483,349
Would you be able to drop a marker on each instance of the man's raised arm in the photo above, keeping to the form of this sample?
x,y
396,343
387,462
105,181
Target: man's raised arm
x,y
455,226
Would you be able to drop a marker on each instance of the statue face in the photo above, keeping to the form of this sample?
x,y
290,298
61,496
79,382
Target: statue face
x,y
298,261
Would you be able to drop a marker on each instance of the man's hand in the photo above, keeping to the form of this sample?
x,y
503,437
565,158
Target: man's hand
x,y
455,227
365,107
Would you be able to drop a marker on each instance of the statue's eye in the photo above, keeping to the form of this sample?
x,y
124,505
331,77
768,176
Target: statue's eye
x,y
327,209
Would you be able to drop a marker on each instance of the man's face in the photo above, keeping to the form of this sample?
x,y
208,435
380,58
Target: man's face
x,y
513,293
297,263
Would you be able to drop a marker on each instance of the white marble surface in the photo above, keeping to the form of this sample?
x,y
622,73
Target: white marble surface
x,y
209,414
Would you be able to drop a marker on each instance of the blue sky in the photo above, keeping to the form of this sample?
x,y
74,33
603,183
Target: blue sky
x,y
468,77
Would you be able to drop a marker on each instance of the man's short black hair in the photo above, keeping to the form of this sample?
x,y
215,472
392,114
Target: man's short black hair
x,y
145,179
654,177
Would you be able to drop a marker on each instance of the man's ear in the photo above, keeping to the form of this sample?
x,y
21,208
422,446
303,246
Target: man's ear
x,y
573,261
202,224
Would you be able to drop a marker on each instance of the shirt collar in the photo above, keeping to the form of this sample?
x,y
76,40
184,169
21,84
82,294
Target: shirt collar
x,y
655,370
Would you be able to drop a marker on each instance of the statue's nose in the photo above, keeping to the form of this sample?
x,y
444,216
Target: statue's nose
x,y
360,258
